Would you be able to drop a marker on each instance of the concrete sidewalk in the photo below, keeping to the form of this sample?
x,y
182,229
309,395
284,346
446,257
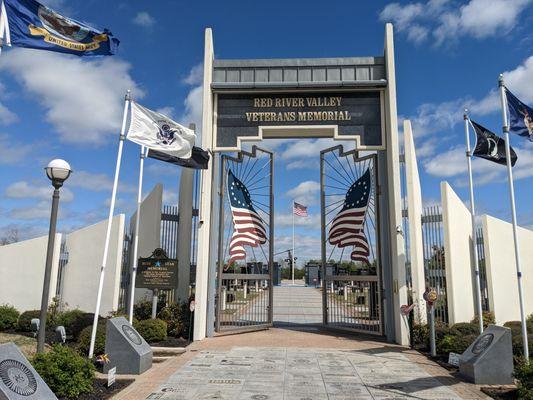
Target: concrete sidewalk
x,y
289,364
297,304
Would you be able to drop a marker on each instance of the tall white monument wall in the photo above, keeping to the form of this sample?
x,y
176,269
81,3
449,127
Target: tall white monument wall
x,y
22,267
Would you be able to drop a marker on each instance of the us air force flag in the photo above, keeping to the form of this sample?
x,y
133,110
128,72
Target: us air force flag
x,y
33,25
490,146
158,132
520,116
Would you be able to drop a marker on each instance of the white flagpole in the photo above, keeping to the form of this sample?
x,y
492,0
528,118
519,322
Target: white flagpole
x,y
513,213
136,240
473,216
292,264
109,222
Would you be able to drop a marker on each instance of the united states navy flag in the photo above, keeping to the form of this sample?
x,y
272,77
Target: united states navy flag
x,y
520,116
34,25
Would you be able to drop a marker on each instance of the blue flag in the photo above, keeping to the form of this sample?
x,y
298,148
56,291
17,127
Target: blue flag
x,y
520,116
33,25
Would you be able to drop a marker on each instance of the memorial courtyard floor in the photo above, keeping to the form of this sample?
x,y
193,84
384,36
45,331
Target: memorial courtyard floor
x,y
288,364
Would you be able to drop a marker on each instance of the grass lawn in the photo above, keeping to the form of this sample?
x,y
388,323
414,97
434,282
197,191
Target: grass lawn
x,y
26,344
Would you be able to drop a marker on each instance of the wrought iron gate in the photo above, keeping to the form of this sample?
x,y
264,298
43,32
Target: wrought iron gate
x,y
245,244
351,288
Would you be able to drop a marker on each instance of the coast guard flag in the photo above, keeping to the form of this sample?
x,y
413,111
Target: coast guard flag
x,y
34,25
158,132
248,227
347,228
490,146
520,116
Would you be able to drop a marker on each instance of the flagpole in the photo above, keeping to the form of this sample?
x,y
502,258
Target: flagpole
x,y
513,213
136,240
292,263
473,216
109,222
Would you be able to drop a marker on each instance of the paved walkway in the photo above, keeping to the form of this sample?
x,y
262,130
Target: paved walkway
x,y
297,304
302,365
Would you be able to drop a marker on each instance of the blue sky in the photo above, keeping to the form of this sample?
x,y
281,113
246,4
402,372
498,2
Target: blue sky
x,y
448,56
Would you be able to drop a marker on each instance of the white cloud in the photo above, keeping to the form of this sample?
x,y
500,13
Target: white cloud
x,y
97,182
24,231
196,75
12,152
170,197
144,19
285,220
83,99
193,110
167,111
443,21
7,116
307,247
306,193
25,190
41,210
433,121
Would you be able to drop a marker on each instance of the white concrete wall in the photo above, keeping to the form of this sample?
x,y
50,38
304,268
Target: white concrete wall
x,y
22,267
458,253
82,272
149,231
414,210
397,244
502,283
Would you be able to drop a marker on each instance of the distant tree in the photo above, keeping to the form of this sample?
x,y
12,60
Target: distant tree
x,y
11,236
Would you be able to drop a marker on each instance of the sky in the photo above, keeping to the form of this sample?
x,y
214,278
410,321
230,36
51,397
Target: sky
x,y
449,54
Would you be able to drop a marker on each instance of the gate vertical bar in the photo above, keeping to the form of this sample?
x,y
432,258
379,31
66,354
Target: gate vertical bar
x,y
323,241
271,247
220,261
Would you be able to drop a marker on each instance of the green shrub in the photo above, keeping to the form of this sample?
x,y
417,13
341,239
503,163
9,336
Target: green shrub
x,y
8,317
523,372
488,319
518,349
143,310
65,372
421,336
79,322
177,317
152,330
84,339
67,319
465,328
529,319
516,327
455,343
24,322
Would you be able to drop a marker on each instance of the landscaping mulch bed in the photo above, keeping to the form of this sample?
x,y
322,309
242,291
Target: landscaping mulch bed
x,y
500,392
171,342
102,392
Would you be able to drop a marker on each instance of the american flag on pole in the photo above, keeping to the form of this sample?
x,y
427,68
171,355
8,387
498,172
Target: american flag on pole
x,y
248,227
347,228
299,209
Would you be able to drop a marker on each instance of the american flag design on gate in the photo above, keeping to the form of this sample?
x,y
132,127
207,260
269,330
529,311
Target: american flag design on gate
x,y
248,227
347,228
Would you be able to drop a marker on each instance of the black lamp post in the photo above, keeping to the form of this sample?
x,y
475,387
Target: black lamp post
x,y
58,172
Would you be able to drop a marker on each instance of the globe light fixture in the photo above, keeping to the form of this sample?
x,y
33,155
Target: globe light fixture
x,y
58,172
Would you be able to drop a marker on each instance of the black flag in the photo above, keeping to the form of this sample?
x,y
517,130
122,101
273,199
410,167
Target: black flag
x,y
490,146
199,158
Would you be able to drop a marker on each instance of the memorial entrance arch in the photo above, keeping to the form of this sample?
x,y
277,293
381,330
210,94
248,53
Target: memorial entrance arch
x,y
349,99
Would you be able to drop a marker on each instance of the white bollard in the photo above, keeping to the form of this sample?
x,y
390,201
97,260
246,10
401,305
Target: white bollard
x,y
256,286
332,290
223,299
345,290
245,289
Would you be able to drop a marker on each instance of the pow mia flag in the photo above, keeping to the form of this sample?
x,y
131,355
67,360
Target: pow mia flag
x,y
490,146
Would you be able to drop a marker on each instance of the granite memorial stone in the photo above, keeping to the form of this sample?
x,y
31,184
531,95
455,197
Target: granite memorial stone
x,y
18,379
127,350
489,360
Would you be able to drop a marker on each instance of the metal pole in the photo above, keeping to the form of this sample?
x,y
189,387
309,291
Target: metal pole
x,y
292,261
136,240
48,272
513,213
473,217
323,267
154,303
109,222
432,343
